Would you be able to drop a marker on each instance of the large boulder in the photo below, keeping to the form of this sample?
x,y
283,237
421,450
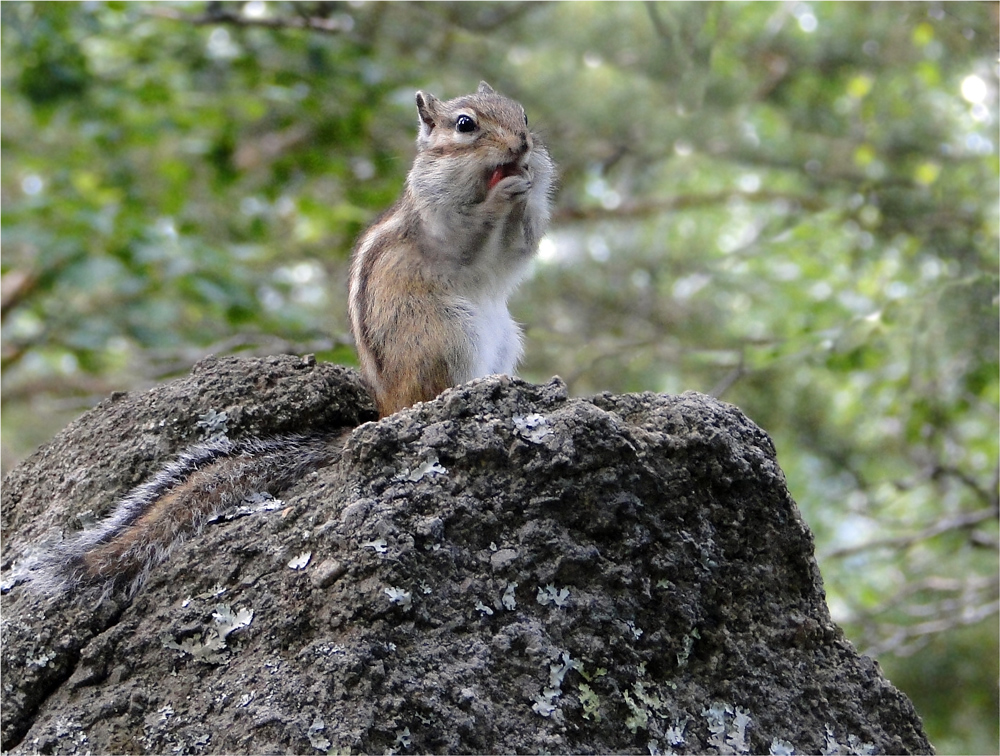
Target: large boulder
x,y
503,569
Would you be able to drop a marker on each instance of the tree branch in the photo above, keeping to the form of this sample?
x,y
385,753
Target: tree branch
x,y
905,640
655,207
730,378
959,522
15,287
335,25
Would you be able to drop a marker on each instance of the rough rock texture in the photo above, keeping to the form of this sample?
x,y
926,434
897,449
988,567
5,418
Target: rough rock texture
x,y
120,442
503,569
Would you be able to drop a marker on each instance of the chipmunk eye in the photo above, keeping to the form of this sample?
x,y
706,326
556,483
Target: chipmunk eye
x,y
525,119
465,124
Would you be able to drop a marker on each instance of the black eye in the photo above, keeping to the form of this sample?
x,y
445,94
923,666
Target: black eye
x,y
465,124
525,119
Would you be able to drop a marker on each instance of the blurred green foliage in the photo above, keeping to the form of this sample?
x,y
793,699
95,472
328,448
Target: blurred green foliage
x,y
793,206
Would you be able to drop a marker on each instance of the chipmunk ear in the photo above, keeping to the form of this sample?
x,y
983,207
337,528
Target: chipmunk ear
x,y
428,107
485,88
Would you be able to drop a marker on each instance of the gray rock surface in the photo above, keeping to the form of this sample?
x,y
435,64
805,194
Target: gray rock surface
x,y
503,569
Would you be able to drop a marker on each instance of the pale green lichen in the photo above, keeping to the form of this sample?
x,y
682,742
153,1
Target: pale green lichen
x,y
675,733
591,703
228,622
255,503
213,425
551,595
301,561
532,427
643,704
545,702
403,738
557,671
781,748
316,737
831,747
727,727
639,718
687,646
428,467
38,661
591,676
854,745
398,596
379,545
212,643
508,600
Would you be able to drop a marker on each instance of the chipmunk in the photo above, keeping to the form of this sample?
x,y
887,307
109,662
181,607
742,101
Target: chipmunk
x,y
430,279
428,293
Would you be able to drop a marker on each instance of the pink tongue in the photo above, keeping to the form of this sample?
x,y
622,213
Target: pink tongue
x,y
497,176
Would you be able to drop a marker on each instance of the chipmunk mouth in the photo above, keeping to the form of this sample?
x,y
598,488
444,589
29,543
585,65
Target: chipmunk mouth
x,y
501,172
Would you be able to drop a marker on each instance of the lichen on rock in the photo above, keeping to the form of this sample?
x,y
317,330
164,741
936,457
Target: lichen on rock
x,y
681,607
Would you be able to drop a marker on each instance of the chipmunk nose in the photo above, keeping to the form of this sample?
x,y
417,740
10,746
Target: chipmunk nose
x,y
521,144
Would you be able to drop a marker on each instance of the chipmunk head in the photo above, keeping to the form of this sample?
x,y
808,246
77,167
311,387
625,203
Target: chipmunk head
x,y
487,127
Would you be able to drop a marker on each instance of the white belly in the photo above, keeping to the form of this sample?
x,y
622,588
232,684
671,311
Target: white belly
x,y
496,340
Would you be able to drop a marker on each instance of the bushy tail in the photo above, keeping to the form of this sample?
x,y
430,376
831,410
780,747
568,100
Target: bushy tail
x,y
205,481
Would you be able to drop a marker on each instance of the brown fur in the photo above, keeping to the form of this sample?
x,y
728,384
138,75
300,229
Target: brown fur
x,y
204,491
205,481
430,276
409,341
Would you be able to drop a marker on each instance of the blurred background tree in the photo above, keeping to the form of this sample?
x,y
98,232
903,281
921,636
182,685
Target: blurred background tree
x,y
792,206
